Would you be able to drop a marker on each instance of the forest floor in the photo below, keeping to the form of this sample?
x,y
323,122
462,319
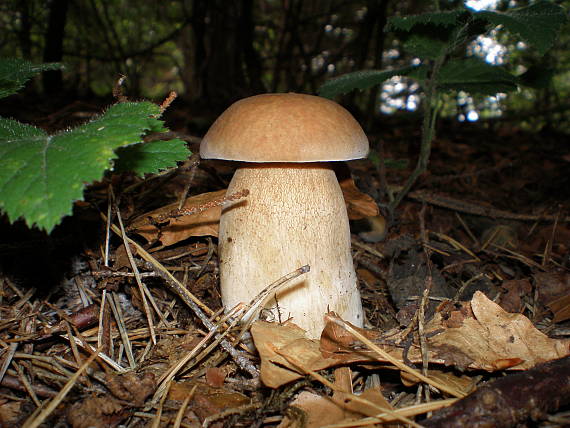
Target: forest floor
x,y
486,231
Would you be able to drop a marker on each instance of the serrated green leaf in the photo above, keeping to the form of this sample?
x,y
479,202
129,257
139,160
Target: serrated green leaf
x,y
537,24
359,80
424,47
42,175
475,76
14,73
440,19
150,158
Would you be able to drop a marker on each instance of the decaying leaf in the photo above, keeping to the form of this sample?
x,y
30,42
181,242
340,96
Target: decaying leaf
x,y
183,227
206,400
290,340
97,412
318,411
494,339
358,204
483,337
560,308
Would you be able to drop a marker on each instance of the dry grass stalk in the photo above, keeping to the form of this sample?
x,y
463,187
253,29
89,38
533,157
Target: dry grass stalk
x,y
410,411
142,287
180,414
36,420
352,397
393,360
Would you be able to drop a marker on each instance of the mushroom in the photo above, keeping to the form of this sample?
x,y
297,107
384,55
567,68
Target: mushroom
x,y
295,213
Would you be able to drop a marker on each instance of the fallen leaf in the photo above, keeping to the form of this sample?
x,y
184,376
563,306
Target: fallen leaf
x,y
205,223
464,384
272,339
131,386
97,412
560,308
358,205
551,285
206,400
494,339
485,337
319,411
215,376
179,228
515,289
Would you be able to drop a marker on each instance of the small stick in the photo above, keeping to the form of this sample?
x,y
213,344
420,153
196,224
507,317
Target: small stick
x,y
203,207
142,287
257,303
182,410
393,360
36,420
352,397
184,294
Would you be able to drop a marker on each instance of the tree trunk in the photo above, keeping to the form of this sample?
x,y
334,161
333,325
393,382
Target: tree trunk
x,y
221,60
53,50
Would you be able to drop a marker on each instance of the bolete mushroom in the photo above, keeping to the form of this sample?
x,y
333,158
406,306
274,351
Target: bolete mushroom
x,y
295,213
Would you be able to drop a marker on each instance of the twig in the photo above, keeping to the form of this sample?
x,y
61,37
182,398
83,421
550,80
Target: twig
x,y
194,161
182,410
334,387
415,410
36,420
428,131
140,284
118,314
469,208
203,207
393,360
255,306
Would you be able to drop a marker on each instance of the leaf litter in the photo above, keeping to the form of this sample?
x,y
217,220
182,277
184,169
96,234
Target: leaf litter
x,y
498,310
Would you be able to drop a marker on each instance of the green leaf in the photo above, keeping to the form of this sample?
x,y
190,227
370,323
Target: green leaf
x,y
42,175
14,73
475,76
150,158
425,47
537,24
359,80
438,19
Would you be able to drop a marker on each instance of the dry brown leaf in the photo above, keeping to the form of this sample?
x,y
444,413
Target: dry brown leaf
x,y
206,400
215,376
372,395
287,339
551,285
358,205
132,387
9,412
319,411
515,288
464,384
560,308
484,337
493,340
97,412
180,228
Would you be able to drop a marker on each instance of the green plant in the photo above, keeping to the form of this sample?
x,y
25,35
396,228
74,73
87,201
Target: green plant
x,y
42,175
440,40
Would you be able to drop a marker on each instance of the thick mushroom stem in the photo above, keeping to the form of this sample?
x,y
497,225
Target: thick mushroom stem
x,y
294,215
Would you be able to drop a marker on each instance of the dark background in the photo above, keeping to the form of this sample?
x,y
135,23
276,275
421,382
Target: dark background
x,y
213,52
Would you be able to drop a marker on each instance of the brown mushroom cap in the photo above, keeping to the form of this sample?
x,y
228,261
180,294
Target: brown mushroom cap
x,y
285,128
